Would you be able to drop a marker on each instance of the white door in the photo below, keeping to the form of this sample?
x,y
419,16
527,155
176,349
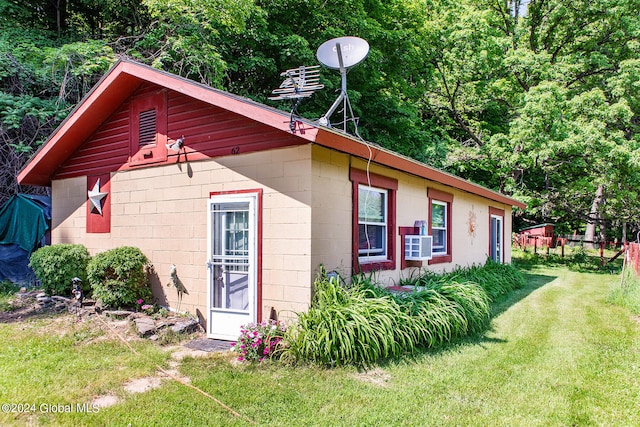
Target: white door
x,y
496,238
232,266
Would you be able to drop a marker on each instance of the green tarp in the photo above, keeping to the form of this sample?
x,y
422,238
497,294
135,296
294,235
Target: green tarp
x,y
24,221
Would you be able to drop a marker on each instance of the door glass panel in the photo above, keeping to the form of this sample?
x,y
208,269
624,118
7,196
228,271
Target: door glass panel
x,y
496,239
230,259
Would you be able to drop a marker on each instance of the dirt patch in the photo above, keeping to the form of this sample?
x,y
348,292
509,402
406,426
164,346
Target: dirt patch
x,y
105,401
377,377
141,385
24,306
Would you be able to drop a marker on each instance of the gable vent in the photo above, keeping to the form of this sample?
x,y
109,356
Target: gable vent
x,y
147,128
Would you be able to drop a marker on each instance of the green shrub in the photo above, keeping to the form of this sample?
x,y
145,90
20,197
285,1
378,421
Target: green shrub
x,y
55,266
118,277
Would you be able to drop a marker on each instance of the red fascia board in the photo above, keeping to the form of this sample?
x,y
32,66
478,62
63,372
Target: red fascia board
x,y
90,113
337,141
113,89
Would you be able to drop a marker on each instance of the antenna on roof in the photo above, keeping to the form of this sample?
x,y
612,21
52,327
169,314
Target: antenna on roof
x,y
342,54
299,83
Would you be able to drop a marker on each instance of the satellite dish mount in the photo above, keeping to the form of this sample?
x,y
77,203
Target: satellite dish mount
x,y
342,54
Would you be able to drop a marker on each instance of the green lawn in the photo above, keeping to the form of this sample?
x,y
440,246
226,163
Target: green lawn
x,y
557,354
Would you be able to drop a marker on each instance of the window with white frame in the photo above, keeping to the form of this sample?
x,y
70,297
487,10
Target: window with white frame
x,y
440,205
372,223
439,226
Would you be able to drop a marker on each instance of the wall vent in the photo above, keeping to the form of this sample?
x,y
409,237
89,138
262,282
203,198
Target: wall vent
x,y
147,128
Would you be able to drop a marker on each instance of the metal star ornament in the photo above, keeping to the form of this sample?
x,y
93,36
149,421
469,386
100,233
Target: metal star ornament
x,y
96,196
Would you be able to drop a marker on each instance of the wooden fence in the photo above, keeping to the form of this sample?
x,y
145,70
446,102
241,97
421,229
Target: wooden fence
x,y
633,257
544,244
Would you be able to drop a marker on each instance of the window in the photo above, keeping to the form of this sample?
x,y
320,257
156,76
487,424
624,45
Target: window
x,y
440,225
496,233
373,221
148,131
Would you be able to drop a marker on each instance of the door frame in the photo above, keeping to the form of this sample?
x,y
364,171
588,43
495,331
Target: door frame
x,y
257,268
499,214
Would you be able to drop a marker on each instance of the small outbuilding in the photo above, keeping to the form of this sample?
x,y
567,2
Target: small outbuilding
x,y
224,198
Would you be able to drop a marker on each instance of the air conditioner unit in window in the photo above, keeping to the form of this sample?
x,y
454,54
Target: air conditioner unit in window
x,y
417,248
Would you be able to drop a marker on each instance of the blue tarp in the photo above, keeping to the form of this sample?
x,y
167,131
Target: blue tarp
x,y
14,265
24,222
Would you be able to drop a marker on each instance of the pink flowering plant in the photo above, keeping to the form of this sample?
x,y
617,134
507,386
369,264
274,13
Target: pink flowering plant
x,y
146,308
259,341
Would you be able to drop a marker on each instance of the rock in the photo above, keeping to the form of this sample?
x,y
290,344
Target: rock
x,y
186,326
146,326
44,300
41,295
61,299
118,314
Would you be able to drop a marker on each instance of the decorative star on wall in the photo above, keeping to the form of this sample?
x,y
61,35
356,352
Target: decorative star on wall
x,y
96,196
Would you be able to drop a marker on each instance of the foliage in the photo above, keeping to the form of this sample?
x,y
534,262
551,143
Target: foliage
x,y
259,341
495,278
55,266
118,277
556,356
349,326
7,292
7,287
365,322
627,294
539,102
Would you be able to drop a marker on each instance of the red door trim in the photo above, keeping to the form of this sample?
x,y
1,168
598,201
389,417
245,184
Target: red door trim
x,y
259,192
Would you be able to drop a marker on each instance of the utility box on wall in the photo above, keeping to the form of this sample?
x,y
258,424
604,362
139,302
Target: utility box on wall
x,y
417,248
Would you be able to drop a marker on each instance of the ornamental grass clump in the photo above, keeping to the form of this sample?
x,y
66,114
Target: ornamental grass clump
x,y
365,322
349,326
259,341
495,278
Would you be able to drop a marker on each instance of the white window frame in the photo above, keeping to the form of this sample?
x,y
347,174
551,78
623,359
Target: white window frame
x,y
440,249
383,255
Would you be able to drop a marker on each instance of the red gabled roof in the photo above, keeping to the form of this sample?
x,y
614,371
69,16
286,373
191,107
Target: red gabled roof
x,y
125,76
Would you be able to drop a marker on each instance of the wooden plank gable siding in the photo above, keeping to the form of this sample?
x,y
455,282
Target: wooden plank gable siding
x,y
209,131
105,151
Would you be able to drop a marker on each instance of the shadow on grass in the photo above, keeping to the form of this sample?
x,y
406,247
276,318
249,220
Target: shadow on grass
x,y
533,282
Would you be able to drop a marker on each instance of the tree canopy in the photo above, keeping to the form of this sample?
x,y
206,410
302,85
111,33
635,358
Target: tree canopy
x,y
537,99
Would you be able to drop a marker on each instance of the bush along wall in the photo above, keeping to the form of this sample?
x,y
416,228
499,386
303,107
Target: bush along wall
x,y
55,266
118,277
365,322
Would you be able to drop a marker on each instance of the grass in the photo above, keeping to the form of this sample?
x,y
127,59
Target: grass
x,y
557,354
627,294
58,360
7,292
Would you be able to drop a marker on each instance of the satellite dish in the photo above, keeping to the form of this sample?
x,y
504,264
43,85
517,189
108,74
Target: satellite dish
x,y
342,52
